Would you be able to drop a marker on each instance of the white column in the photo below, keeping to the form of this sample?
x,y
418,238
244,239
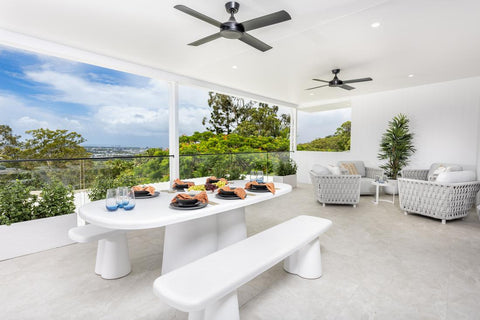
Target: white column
x,y
173,131
293,129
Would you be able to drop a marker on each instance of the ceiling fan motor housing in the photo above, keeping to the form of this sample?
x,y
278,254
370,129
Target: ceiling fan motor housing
x,y
232,7
231,30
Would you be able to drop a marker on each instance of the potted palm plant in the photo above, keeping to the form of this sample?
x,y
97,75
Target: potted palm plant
x,y
396,147
286,172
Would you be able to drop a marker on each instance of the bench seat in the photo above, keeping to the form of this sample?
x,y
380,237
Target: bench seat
x,y
113,260
206,288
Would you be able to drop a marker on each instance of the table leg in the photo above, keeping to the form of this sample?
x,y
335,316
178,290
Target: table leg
x,y
188,241
377,187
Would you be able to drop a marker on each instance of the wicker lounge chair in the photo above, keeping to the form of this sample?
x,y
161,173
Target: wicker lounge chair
x,y
440,200
338,189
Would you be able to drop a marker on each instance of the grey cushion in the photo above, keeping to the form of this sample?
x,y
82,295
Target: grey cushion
x,y
358,164
449,166
366,186
320,170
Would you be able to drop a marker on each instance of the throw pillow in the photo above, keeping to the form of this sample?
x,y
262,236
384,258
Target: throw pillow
x,y
334,170
436,172
350,167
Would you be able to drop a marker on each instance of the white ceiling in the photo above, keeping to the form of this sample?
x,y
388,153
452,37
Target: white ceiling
x,y
436,40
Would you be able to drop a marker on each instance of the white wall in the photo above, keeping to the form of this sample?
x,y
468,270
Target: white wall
x,y
444,118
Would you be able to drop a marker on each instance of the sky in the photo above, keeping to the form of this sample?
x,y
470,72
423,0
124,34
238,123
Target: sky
x,y
107,107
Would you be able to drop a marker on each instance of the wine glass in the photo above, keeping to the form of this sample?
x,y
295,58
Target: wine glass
x,y
253,175
111,200
259,176
122,199
130,200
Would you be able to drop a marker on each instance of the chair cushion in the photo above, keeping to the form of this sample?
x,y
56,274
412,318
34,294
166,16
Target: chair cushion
x,y
358,164
456,176
437,168
350,167
320,170
335,170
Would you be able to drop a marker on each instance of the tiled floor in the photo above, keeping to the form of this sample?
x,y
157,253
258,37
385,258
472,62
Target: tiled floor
x,y
377,264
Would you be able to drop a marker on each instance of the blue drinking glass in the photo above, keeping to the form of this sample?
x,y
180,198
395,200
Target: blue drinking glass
x,y
130,200
111,200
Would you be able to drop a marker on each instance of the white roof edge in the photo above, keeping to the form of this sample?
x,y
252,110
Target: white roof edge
x,y
25,42
324,105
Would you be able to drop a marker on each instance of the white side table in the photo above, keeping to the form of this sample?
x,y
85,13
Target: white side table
x,y
377,191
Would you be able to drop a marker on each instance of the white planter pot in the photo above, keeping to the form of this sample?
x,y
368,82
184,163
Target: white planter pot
x,y
291,180
392,187
32,236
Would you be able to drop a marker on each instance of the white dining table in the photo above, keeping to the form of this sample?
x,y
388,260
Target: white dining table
x,y
189,234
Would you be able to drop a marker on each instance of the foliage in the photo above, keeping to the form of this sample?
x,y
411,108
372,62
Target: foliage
x,y
16,202
233,115
396,146
9,143
263,121
286,168
338,142
55,200
49,144
227,112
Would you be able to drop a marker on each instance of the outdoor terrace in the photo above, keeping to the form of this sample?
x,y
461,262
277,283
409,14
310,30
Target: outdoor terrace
x,y
377,264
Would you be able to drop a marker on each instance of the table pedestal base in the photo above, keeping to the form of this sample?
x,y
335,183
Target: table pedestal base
x,y
113,261
191,240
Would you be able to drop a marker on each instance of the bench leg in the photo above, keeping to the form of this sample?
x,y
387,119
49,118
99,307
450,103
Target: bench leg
x,y
306,262
112,256
223,309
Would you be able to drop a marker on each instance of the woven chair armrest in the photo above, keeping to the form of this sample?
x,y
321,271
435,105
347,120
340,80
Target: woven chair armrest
x,y
372,172
417,174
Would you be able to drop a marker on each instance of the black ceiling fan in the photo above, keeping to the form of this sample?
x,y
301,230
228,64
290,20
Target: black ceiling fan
x,y
235,30
339,83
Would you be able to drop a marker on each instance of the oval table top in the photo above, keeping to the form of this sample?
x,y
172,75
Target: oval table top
x,y
155,212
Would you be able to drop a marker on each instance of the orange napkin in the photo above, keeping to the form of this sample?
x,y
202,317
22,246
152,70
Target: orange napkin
x,y
202,197
239,192
270,185
150,189
178,181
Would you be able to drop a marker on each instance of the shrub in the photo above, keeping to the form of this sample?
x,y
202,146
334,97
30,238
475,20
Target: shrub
x,y
55,200
102,183
16,202
286,168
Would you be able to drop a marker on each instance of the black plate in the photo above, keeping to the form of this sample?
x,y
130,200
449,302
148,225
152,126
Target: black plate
x,y
258,186
148,196
187,202
181,186
199,205
213,180
258,190
141,193
227,197
226,193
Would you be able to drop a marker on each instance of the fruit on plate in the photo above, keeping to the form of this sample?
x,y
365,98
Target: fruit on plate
x,y
210,186
198,187
221,183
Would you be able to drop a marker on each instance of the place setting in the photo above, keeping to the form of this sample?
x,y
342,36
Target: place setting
x,y
145,192
184,201
231,193
180,185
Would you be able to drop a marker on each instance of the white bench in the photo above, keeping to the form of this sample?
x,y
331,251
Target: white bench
x,y
206,288
112,260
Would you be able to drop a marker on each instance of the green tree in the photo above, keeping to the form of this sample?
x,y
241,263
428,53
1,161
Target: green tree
x,y
227,112
344,133
53,144
340,141
9,143
264,121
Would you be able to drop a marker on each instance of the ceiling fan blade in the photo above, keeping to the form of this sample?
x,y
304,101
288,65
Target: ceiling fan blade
x,y
198,15
325,85
357,80
321,80
206,39
254,42
346,87
266,20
